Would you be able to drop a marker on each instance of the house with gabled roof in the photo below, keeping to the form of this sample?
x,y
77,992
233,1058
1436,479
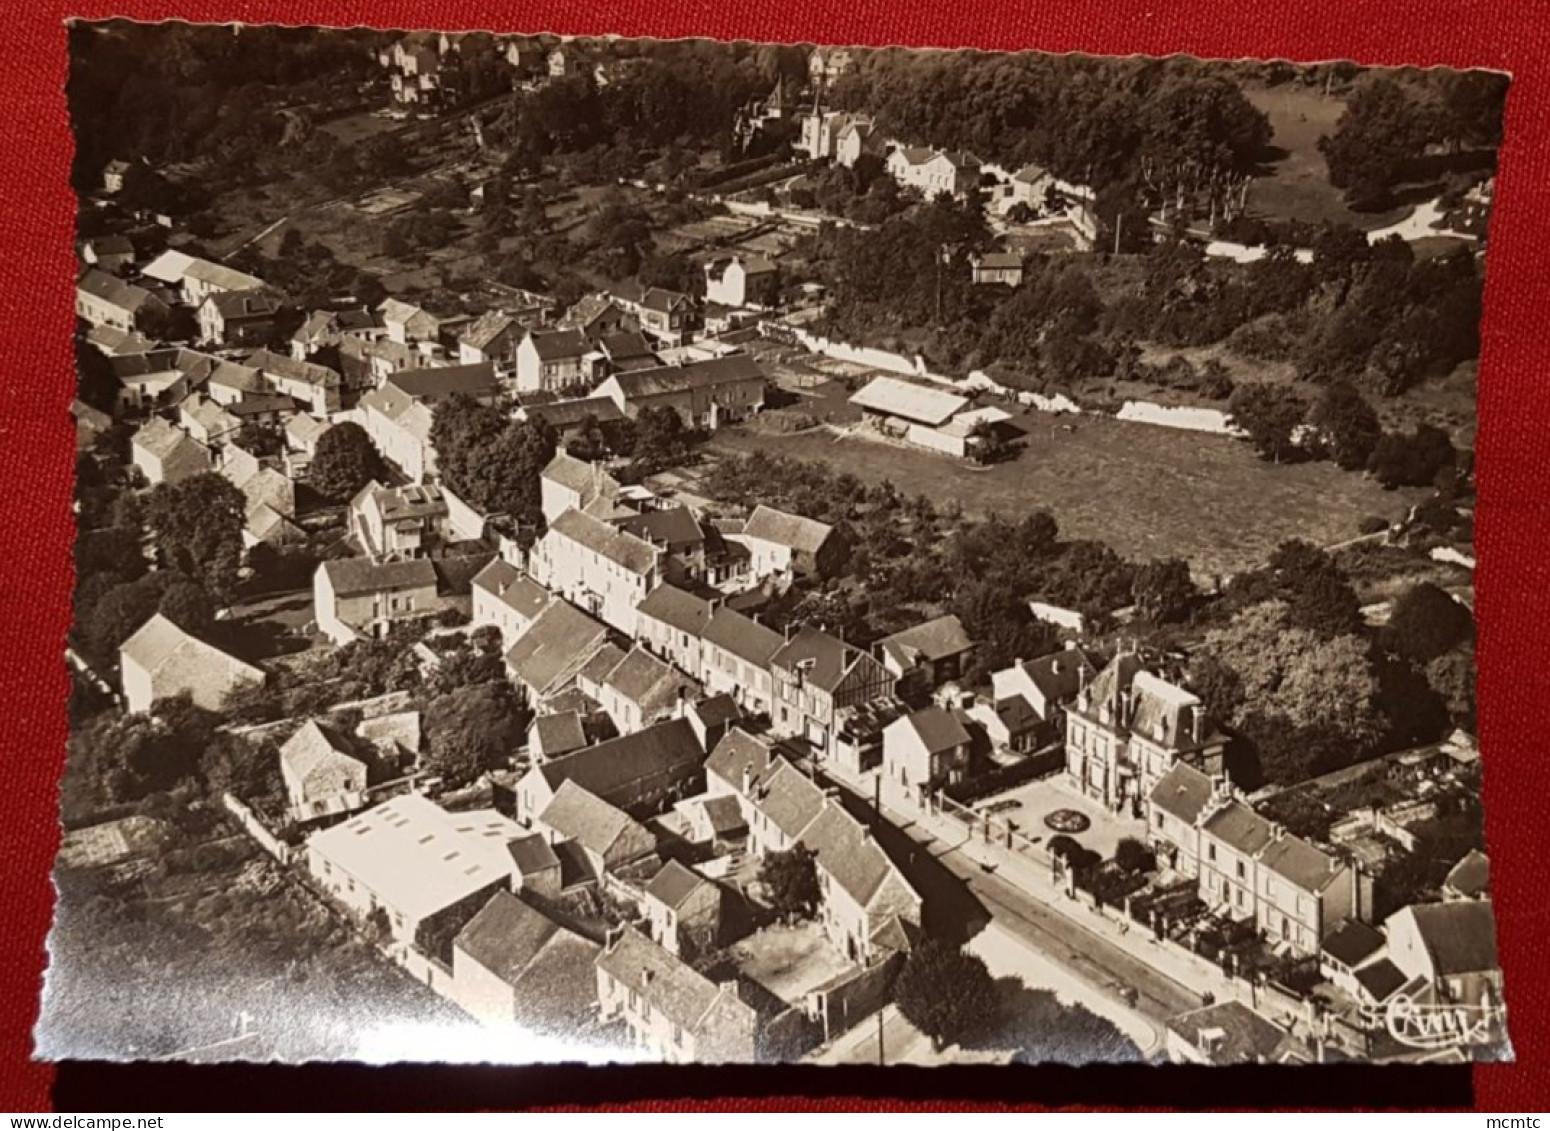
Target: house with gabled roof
x,y
1449,949
206,421
624,350
1046,684
551,651
165,453
493,337
356,597
926,751
162,661
671,623
567,483
113,342
781,804
406,322
741,280
1470,878
664,314
320,766
643,773
392,523
780,543
316,386
819,683
102,299
997,268
595,316
507,598
866,903
705,394
596,566
673,1013
238,318
111,253
1174,808
199,278
1031,185
641,690
932,171
554,736
683,910
736,762
515,968
599,838
736,652
925,656
552,361
538,868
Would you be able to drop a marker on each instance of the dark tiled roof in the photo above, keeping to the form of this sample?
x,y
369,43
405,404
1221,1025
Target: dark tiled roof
x,y
1182,792
560,640
736,752
674,526
938,729
1060,675
568,414
676,608
559,734
742,637
623,549
578,814
824,658
557,345
674,884
1460,936
350,576
1239,827
937,639
1381,979
1471,876
1299,862
532,854
1352,943
770,525
788,797
612,769
437,383
846,851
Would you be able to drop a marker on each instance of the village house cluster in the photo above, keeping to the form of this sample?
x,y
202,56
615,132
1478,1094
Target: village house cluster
x,y
609,884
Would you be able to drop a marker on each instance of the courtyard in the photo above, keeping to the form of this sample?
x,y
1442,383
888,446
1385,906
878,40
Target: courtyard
x,y
1027,806
789,961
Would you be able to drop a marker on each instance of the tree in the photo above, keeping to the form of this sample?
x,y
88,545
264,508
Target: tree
x,y
945,992
1163,591
1382,129
1414,460
95,383
1133,856
1427,622
1346,425
346,460
1310,699
791,880
1317,592
197,525
1452,677
472,729
493,463
1269,414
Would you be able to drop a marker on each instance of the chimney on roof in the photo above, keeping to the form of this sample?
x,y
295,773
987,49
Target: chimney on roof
x,y
747,780
1197,718
646,975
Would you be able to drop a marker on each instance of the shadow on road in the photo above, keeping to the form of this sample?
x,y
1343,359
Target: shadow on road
x,y
949,911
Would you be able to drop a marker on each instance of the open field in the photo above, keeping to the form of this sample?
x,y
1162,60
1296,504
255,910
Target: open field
x,y
1146,491
1297,184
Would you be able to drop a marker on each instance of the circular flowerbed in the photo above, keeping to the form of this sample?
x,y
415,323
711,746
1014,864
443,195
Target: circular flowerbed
x,y
1067,821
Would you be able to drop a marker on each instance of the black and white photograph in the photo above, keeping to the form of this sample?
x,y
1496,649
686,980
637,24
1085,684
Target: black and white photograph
x,y
611,550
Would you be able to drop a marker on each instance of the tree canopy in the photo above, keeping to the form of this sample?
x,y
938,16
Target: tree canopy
x,y
197,525
946,993
345,461
790,880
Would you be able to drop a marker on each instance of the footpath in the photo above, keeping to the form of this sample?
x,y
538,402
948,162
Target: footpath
x,y
1036,880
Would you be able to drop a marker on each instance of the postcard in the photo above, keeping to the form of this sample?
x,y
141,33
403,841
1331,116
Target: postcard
x,y
610,550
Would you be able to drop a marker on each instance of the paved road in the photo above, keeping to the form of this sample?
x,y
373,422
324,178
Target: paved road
x,y
960,896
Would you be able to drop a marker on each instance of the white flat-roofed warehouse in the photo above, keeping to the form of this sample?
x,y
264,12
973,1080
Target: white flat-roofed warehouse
x,y
414,861
924,416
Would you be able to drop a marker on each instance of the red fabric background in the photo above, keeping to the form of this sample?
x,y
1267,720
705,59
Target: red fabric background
x,y
1513,535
